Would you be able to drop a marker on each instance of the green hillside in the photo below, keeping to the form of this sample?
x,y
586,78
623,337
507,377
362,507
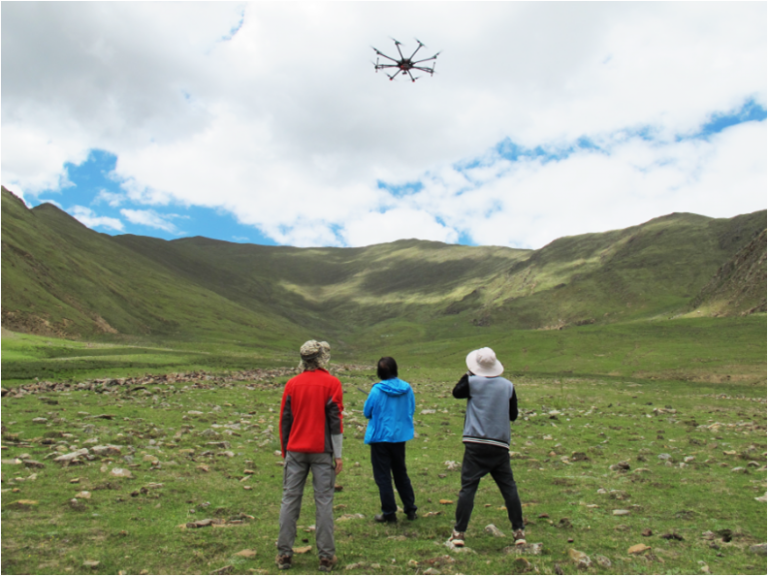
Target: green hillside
x,y
738,286
61,278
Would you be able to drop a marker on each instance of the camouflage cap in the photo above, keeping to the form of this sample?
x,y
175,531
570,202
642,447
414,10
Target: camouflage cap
x,y
314,352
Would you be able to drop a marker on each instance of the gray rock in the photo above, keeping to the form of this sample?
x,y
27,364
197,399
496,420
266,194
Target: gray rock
x,y
72,456
493,531
602,561
111,449
759,549
533,549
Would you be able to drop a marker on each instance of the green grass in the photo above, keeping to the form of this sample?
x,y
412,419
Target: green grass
x,y
607,419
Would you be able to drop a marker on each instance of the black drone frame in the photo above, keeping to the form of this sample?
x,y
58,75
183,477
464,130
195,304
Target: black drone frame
x,y
405,65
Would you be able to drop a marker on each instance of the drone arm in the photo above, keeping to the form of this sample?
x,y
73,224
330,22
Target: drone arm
x,y
427,59
385,56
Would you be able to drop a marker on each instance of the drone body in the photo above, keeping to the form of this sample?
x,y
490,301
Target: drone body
x,y
405,65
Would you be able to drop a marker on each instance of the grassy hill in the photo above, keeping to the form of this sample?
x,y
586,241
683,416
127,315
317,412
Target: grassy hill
x,y
62,278
738,286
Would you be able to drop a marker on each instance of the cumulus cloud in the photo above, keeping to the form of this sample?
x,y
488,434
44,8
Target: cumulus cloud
x,y
272,112
149,218
89,218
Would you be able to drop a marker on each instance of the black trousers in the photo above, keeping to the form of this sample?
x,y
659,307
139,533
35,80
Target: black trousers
x,y
479,460
389,457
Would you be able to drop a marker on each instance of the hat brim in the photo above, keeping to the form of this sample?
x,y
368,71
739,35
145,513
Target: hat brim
x,y
488,371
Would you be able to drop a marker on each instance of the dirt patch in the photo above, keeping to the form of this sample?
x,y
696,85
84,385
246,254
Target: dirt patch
x,y
8,334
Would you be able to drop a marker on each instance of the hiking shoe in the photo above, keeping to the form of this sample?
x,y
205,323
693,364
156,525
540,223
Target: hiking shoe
x,y
457,539
326,564
389,518
283,561
519,537
411,516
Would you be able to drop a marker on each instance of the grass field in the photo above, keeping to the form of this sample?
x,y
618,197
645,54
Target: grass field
x,y
695,451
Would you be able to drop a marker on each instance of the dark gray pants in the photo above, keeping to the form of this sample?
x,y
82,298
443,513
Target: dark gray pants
x,y
479,460
295,472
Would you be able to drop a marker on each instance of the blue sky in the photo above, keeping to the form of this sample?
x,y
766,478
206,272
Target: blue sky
x,y
264,123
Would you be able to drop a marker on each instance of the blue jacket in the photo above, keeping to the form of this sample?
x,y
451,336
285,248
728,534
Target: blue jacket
x,y
390,407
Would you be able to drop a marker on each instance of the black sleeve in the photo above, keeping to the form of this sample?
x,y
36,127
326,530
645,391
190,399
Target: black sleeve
x,y
461,390
513,406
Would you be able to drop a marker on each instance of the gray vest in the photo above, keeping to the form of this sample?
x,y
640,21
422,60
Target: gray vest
x,y
487,419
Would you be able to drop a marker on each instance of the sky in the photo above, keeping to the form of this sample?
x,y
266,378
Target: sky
x,y
267,123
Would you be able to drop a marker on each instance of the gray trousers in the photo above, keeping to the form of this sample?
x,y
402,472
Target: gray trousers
x,y
297,467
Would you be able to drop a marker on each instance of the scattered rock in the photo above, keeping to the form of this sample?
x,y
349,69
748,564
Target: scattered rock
x,y
247,553
121,473
84,494
647,532
302,549
452,465
493,531
91,564
759,549
621,512
638,549
602,561
579,558
109,449
23,504
622,466
223,570
72,456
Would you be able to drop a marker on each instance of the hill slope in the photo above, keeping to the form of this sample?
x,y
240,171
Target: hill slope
x,y
738,286
60,277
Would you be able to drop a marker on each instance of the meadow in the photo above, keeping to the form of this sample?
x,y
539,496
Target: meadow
x,y
619,453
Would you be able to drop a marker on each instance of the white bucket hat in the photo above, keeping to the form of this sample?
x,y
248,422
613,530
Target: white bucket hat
x,y
483,362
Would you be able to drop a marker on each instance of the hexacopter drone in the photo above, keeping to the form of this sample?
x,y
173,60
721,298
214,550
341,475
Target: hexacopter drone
x,y
405,65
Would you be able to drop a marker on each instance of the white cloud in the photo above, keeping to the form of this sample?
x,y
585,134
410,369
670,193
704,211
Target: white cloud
x,y
89,218
113,199
149,218
285,124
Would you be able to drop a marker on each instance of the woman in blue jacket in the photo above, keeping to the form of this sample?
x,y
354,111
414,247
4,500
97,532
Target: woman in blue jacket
x,y
390,407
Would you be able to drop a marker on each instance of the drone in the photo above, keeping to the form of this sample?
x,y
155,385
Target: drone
x,y
404,65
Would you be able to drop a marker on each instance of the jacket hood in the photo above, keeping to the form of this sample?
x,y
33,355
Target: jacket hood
x,y
394,387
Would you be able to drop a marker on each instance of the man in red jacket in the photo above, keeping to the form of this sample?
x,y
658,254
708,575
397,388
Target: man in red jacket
x,y
311,438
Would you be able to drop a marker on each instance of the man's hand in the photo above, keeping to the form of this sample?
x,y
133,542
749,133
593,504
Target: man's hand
x,y
338,465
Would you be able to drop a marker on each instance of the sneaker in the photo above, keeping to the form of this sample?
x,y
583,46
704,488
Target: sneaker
x,y
283,561
389,518
326,564
519,537
457,538
411,516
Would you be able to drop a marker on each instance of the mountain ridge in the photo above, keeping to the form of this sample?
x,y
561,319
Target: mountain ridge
x,y
61,278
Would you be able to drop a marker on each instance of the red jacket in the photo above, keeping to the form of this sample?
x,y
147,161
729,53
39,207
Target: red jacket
x,y
310,412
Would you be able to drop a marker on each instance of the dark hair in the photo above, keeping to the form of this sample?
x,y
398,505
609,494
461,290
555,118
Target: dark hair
x,y
387,368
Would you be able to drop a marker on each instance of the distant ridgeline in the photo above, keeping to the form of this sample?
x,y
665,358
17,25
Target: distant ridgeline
x,y
61,278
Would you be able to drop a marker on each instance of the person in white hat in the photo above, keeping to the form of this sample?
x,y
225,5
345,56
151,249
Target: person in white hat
x,y
491,406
